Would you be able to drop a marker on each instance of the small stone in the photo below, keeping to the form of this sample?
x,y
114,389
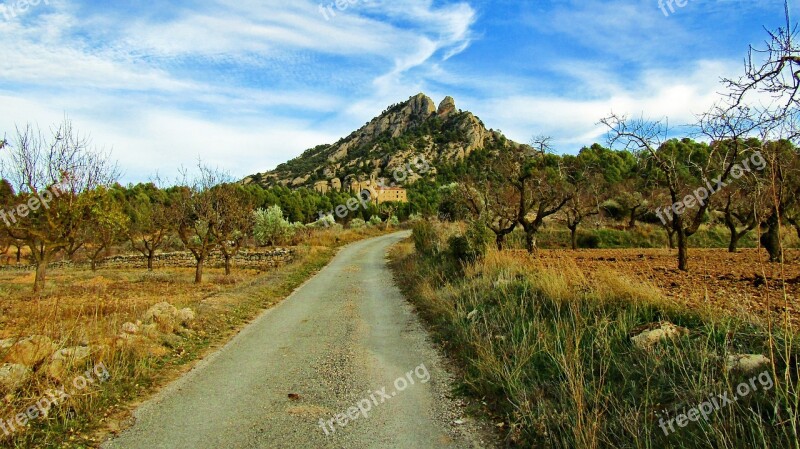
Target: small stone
x,y
746,363
650,338
130,328
13,376
66,358
30,351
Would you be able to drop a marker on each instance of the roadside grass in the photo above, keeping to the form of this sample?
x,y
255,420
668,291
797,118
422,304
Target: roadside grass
x,y
549,348
81,307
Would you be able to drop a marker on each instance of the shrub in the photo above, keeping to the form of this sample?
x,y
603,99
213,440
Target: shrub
x,y
375,220
591,241
357,223
426,239
613,209
393,221
324,222
474,244
270,227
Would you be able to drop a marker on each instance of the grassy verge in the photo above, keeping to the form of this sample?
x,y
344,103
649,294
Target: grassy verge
x,y
550,350
88,308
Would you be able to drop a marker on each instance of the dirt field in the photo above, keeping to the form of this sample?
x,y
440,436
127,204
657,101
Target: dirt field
x,y
735,283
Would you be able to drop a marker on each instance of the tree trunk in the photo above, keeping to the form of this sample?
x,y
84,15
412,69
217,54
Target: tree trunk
x,y
227,264
150,256
19,254
500,240
41,274
683,249
198,274
632,220
734,243
771,240
530,241
573,230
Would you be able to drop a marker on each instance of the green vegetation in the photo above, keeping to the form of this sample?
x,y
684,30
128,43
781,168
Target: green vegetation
x,y
550,351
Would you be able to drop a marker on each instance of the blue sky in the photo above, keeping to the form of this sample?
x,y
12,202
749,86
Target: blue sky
x,y
245,85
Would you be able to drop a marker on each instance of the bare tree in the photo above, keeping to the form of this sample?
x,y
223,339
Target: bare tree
x,y
50,175
542,188
201,215
771,84
690,172
234,221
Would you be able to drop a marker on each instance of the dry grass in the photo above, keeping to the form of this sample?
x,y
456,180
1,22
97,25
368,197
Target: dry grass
x,y
545,341
81,307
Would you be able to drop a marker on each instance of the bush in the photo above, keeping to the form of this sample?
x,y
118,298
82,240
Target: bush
x,y
375,220
590,241
474,244
324,222
613,210
357,223
393,221
426,239
270,227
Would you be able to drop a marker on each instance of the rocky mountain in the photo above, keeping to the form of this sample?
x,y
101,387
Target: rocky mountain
x,y
403,132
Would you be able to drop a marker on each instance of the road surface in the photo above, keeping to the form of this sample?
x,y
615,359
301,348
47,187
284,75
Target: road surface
x,y
342,363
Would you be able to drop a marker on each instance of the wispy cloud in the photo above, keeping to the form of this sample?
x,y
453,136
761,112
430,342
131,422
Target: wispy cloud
x,y
249,84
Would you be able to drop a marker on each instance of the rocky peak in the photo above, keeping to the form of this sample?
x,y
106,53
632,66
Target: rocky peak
x,y
415,127
420,106
447,106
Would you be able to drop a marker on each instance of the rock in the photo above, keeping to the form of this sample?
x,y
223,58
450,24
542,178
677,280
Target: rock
x,y
30,351
746,363
185,316
130,328
447,106
162,312
13,376
7,343
64,359
650,338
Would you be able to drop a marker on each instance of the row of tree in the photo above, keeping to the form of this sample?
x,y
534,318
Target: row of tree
x,y
745,167
59,196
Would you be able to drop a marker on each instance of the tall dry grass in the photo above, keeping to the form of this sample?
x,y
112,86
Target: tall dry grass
x,y
550,347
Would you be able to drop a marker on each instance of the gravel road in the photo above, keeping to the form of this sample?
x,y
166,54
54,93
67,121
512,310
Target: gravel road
x,y
345,343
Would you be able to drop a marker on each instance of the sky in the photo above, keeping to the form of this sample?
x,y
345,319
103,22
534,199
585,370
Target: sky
x,y
244,85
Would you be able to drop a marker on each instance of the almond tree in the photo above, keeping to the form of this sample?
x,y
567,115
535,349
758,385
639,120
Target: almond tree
x,y
691,172
197,216
153,217
51,174
109,223
234,220
771,85
542,188
490,196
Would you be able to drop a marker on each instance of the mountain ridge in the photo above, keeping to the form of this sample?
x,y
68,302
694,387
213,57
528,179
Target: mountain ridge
x,y
404,131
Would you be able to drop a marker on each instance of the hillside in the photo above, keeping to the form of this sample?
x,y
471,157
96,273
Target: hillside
x,y
443,135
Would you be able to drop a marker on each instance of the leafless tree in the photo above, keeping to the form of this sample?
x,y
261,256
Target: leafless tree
x,y
50,174
542,188
691,173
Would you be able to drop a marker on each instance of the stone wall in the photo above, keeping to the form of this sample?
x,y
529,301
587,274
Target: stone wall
x,y
247,259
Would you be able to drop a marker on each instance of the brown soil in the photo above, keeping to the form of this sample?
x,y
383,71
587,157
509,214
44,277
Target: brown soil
x,y
736,283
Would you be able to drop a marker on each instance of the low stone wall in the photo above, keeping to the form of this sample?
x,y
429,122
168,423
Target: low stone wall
x,y
246,259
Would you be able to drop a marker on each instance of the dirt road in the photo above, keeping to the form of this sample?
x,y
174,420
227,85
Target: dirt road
x,y
342,363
